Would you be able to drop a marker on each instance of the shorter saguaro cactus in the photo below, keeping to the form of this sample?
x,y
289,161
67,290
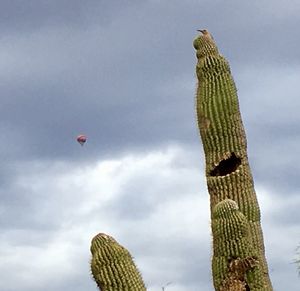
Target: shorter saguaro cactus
x,y
235,264
113,267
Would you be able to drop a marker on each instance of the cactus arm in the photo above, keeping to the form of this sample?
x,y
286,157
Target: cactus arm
x,y
228,172
112,266
235,265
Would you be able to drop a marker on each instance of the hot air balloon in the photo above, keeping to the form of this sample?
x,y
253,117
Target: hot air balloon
x,y
81,139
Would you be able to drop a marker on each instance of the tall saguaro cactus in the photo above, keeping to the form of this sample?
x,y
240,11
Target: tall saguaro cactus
x,y
228,173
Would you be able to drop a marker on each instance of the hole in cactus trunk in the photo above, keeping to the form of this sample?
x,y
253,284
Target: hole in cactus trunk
x,y
226,166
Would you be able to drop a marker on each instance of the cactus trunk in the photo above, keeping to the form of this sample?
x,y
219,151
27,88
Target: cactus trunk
x,y
228,174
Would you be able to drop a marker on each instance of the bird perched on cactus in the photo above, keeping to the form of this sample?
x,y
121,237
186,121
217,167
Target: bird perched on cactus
x,y
206,33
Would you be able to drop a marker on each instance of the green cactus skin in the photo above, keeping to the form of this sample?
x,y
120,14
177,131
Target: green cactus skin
x,y
228,172
112,266
235,265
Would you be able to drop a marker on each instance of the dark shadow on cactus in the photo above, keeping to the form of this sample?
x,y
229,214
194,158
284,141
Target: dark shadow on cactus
x,y
231,259
226,166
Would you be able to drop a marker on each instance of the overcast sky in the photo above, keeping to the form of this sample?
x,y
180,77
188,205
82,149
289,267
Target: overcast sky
x,y
123,73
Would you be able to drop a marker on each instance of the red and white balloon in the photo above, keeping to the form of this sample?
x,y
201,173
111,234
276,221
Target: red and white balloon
x,y
81,139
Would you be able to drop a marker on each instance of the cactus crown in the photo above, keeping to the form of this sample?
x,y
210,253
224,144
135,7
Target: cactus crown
x,y
205,46
102,240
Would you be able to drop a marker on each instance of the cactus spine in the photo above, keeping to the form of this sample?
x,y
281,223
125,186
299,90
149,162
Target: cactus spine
x,y
112,266
228,173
